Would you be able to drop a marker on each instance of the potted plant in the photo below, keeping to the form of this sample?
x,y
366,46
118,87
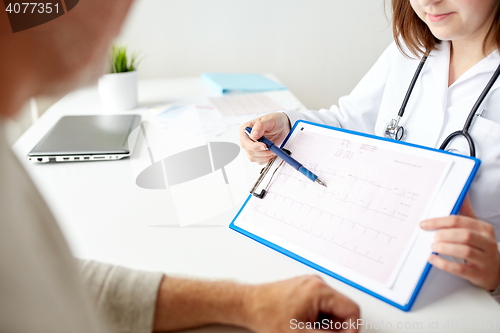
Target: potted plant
x,y
118,89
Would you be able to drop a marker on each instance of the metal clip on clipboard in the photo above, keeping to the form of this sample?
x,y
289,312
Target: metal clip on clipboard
x,y
263,174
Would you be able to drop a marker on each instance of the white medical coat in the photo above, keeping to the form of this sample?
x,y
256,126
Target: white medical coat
x,y
433,112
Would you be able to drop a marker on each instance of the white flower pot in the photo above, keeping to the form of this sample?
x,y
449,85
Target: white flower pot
x,y
118,91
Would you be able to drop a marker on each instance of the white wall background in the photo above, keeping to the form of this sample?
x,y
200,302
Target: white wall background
x,y
318,48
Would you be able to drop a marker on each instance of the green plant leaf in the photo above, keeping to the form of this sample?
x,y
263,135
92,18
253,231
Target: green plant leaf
x,y
119,62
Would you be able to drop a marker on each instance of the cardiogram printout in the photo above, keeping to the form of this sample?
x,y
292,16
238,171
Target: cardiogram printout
x,y
366,219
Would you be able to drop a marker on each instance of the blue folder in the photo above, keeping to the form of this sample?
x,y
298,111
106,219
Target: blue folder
x,y
292,255
231,82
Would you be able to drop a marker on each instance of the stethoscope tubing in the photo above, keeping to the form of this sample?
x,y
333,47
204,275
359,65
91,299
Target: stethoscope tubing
x,y
466,135
465,131
412,85
480,99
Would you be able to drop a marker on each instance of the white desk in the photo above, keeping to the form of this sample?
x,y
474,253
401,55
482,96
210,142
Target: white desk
x,y
106,217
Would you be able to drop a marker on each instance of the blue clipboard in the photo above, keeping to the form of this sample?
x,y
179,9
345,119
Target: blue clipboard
x,y
311,264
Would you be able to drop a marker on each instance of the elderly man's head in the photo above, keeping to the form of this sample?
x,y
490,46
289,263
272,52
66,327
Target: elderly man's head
x,y
60,55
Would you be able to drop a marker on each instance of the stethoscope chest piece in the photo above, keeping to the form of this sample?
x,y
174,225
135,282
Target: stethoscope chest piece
x,y
394,131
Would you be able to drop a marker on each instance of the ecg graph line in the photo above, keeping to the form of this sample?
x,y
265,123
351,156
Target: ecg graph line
x,y
344,196
379,261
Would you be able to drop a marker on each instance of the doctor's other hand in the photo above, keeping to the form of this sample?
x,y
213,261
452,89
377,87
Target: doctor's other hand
x,y
274,126
466,237
287,306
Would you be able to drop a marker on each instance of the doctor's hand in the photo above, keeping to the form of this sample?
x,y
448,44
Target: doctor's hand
x,y
464,236
274,126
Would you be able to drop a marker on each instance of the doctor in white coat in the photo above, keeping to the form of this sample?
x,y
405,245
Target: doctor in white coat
x,y
462,38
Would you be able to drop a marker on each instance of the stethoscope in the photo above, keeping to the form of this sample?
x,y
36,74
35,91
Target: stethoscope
x,y
396,132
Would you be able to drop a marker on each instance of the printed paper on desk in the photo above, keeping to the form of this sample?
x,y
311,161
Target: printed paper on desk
x,y
234,105
363,226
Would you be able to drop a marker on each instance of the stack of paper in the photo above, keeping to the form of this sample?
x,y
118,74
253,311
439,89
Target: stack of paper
x,y
212,123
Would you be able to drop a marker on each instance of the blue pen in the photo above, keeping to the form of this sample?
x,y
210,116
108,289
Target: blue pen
x,y
285,157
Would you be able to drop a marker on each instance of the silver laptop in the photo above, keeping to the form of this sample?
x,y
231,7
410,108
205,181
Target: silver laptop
x,y
86,138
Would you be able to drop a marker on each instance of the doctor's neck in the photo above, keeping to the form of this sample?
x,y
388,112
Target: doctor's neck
x,y
466,52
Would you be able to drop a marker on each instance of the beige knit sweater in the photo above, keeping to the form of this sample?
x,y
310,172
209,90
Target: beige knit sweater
x,y
42,287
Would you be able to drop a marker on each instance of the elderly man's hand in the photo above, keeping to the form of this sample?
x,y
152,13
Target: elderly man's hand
x,y
289,305
284,306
